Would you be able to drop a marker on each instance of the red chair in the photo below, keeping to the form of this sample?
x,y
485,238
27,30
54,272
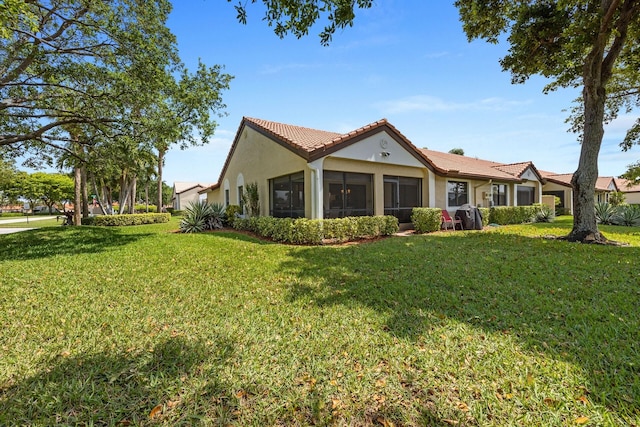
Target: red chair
x,y
448,221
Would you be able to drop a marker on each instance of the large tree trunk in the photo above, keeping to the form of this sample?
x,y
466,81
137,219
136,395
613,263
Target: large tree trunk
x,y
77,200
160,162
132,194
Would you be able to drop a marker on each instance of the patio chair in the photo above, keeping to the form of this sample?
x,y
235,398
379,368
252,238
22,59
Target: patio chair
x,y
448,221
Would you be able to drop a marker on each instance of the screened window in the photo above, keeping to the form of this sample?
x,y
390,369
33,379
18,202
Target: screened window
x,y
287,196
226,197
526,196
347,194
241,198
457,193
499,194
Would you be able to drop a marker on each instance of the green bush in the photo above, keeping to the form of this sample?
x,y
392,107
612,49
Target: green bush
x,y
485,212
126,219
504,215
202,216
628,215
231,214
426,220
606,214
314,231
544,214
141,208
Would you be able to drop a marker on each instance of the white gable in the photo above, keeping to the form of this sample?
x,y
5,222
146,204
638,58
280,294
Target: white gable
x,y
529,174
379,148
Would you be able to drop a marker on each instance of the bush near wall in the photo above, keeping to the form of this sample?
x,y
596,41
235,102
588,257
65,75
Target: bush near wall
x,y
426,220
504,215
485,212
141,208
126,219
315,231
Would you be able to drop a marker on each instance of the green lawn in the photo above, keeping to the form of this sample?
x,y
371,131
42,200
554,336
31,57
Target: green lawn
x,y
142,326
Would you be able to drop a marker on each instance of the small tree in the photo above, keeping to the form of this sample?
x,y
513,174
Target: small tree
x,y
616,198
251,199
458,151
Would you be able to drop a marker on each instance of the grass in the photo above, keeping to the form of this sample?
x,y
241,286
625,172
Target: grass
x,y
33,224
141,326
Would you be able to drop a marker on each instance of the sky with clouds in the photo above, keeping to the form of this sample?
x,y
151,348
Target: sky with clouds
x,y
404,60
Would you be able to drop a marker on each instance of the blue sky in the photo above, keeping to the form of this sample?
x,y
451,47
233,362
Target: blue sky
x,y
404,60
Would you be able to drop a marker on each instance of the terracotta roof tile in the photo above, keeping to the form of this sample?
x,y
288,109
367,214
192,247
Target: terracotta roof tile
x,y
299,137
456,164
627,186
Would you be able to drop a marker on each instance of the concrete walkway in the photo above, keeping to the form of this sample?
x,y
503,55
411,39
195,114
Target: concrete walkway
x,y
21,219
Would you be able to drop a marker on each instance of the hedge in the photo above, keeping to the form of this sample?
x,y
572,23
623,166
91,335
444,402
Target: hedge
x,y
426,220
315,231
126,219
504,215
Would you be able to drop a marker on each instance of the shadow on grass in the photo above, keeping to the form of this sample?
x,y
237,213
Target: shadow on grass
x,y
117,389
47,242
572,302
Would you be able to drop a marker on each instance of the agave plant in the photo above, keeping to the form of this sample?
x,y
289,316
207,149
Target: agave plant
x,y
215,216
544,214
628,215
195,217
605,213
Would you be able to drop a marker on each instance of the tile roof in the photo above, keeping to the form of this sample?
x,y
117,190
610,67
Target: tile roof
x,y
299,137
627,186
457,165
602,183
181,187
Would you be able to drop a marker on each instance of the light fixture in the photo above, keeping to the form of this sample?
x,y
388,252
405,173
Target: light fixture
x,y
385,154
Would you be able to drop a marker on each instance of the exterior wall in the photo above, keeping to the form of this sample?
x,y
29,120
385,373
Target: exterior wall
x,y
568,194
183,199
632,198
258,159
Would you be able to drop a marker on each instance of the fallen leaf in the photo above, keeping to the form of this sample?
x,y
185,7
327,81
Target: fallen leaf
x,y
451,422
583,400
381,383
463,406
155,412
582,420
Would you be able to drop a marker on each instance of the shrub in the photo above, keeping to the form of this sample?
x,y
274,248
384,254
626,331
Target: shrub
x,y
605,213
202,216
314,231
544,214
426,220
505,215
628,215
231,214
141,208
485,212
251,199
126,219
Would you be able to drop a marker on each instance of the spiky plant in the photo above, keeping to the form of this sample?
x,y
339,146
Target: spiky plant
x,y
195,217
628,215
605,213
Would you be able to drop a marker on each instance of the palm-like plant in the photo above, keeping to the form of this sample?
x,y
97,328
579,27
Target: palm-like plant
x,y
202,216
605,213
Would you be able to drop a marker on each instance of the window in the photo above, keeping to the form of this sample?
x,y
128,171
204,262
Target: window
x,y
240,198
287,196
226,197
347,194
526,196
457,193
499,194
401,195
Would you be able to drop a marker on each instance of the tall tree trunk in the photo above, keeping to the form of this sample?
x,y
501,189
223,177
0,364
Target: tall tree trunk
x,y
161,153
99,196
77,200
146,196
85,190
132,194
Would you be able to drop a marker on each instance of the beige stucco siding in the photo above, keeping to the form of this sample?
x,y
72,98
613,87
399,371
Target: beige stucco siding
x,y
632,198
183,199
379,170
258,159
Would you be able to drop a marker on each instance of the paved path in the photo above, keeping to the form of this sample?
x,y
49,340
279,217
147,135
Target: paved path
x,y
13,220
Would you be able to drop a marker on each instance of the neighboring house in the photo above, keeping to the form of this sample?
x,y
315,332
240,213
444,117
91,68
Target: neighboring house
x,y
373,170
559,185
185,193
631,191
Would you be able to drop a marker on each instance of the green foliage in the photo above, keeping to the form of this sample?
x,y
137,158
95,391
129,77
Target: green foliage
x,y
126,219
251,199
504,215
628,215
616,198
231,213
458,151
426,220
486,213
605,213
202,216
142,208
313,232
544,214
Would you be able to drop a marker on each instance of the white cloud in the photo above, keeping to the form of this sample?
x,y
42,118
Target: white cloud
x,y
426,103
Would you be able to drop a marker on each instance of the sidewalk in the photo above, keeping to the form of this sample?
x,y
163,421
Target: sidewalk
x,y
25,218
21,219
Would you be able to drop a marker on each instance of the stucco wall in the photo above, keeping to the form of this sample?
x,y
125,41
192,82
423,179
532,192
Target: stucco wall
x,y
258,159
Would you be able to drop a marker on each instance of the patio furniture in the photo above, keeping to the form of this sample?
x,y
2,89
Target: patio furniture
x,y
448,221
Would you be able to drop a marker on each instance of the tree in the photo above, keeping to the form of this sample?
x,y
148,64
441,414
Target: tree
x,y
55,188
296,17
576,43
458,151
632,173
